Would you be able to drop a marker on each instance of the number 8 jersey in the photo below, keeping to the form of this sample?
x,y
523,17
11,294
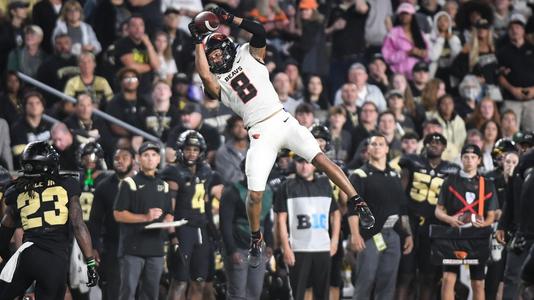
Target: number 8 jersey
x,y
247,89
44,212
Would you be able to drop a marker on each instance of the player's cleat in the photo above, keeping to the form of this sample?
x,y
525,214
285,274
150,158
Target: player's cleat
x,y
257,246
367,220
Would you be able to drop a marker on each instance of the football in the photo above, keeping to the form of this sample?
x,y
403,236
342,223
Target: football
x,y
206,21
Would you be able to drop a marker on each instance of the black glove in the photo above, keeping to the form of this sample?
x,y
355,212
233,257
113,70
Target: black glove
x,y
92,275
357,206
197,37
223,15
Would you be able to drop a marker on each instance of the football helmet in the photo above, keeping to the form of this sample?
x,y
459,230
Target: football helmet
x,y
93,149
215,41
322,132
38,158
190,138
502,147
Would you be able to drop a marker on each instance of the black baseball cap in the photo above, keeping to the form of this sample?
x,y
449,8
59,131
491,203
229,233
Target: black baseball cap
x,y
420,66
435,137
482,24
470,148
149,145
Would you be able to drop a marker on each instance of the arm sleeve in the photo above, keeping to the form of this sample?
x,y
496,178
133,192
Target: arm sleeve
x,y
226,213
259,35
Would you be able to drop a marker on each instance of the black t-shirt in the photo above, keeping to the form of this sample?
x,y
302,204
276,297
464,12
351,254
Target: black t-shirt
x,y
468,189
425,184
351,39
193,192
159,123
383,202
182,51
137,194
44,214
520,62
101,220
68,158
22,134
140,55
127,111
55,72
210,134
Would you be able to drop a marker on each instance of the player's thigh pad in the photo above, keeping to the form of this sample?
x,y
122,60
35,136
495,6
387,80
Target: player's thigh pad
x,y
300,140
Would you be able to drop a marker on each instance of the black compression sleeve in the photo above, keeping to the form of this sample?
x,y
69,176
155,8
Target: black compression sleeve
x,y
258,33
5,237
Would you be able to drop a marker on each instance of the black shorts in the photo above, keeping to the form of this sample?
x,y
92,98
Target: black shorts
x,y
336,279
193,258
47,269
476,272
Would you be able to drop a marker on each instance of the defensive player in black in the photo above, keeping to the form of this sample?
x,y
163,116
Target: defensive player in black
x,y
91,157
422,177
46,205
192,183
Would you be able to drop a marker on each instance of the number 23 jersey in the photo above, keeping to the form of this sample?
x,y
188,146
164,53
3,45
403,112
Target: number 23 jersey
x,y
247,89
44,214
425,183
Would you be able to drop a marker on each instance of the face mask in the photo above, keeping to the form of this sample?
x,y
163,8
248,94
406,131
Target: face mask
x,y
470,93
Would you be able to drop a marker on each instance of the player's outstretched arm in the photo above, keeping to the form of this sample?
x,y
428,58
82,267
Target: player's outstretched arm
x,y
7,228
211,84
259,35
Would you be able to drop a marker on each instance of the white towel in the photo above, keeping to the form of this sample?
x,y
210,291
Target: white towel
x,y
9,269
78,270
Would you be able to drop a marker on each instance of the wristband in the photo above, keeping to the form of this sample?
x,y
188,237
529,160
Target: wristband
x,y
90,261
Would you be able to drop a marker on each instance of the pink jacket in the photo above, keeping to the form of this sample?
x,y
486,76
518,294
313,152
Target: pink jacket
x,y
395,51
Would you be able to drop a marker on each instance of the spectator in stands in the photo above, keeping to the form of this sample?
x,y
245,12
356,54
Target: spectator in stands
x,y
167,65
366,126
502,13
517,82
485,110
414,109
87,82
191,118
30,127
478,53
179,39
11,33
305,115
346,25
348,102
397,105
136,52
282,85
71,22
357,75
509,125
445,45
378,25
420,78
56,70
11,106
405,44
126,104
186,9
6,157
387,127
66,146
89,128
229,156
490,134
159,118
214,113
296,87
28,58
315,93
408,146
341,139
470,90
453,125
45,14
378,73
379,248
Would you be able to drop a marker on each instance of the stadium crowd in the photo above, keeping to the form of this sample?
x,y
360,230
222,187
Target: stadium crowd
x,y
438,80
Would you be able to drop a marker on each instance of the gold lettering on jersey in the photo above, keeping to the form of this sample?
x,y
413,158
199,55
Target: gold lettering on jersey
x,y
425,188
86,203
234,72
198,202
29,206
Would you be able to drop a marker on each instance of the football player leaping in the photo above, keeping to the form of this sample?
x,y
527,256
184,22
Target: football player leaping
x,y
237,76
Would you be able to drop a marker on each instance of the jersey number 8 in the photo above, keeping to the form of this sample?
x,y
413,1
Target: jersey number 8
x,y
245,90
30,205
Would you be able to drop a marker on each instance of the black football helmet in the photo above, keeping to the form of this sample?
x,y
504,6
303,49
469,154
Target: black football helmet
x,y
38,158
322,132
501,147
94,152
220,41
190,138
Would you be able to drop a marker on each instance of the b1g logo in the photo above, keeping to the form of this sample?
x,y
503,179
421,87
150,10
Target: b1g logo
x,y
315,221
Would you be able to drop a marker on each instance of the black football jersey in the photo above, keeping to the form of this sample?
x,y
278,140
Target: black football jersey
x,y
425,183
193,192
44,212
88,194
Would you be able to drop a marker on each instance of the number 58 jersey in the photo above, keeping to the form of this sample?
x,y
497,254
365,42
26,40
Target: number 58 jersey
x,y
43,213
247,89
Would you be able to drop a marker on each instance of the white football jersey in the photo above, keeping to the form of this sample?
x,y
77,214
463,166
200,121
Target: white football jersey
x,y
247,89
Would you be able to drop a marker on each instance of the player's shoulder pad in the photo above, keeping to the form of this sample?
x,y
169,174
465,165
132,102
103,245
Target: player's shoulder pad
x,y
360,173
131,183
408,161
